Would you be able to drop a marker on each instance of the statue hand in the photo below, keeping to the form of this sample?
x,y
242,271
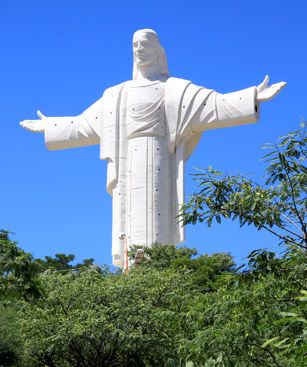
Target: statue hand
x,y
265,92
36,126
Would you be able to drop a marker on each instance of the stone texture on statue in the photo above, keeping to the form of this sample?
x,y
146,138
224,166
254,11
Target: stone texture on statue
x,y
147,128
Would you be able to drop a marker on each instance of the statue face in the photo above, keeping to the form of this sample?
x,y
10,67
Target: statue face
x,y
144,48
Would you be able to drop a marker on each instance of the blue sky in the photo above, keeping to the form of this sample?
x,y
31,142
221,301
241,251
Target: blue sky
x,y
59,57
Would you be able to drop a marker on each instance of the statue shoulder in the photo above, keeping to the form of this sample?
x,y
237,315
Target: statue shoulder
x,y
175,88
180,83
173,82
114,90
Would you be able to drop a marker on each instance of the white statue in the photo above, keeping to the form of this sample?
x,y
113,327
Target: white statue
x,y
147,128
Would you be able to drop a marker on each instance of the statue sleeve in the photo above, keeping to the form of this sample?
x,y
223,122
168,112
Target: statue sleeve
x,y
74,131
225,110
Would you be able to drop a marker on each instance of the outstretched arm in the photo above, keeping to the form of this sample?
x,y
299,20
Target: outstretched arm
x,y
70,131
224,110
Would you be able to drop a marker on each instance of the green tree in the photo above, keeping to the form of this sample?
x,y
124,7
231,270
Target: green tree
x,y
279,206
93,319
18,270
176,308
63,262
10,337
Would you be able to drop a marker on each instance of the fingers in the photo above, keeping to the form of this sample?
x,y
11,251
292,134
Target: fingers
x,y
264,84
36,126
32,125
27,124
270,92
266,81
40,115
277,87
280,85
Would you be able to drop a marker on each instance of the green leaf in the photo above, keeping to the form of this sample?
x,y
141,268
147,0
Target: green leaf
x,y
270,341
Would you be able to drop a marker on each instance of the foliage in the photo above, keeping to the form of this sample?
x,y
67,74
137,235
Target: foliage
x,y
161,257
176,307
90,319
294,319
204,270
278,207
18,270
10,339
190,309
62,262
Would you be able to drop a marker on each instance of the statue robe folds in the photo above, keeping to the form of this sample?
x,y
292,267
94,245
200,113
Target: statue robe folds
x,y
189,110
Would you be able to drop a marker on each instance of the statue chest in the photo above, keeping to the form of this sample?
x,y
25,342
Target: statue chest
x,y
145,110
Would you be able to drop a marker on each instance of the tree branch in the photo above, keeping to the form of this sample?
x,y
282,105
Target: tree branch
x,y
293,198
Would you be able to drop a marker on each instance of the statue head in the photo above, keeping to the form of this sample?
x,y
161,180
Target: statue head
x,y
147,50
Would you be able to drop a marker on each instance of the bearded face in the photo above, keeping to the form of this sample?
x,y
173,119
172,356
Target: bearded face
x,y
148,52
145,48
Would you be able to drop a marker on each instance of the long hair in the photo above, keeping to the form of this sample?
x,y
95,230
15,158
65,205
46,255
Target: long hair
x,y
161,64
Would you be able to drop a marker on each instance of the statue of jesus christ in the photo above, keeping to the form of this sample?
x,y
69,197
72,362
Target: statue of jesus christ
x,y
147,128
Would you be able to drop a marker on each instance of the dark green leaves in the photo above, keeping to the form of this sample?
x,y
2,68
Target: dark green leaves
x,y
278,207
18,271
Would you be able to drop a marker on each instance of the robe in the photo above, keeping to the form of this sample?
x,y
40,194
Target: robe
x,y
189,110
